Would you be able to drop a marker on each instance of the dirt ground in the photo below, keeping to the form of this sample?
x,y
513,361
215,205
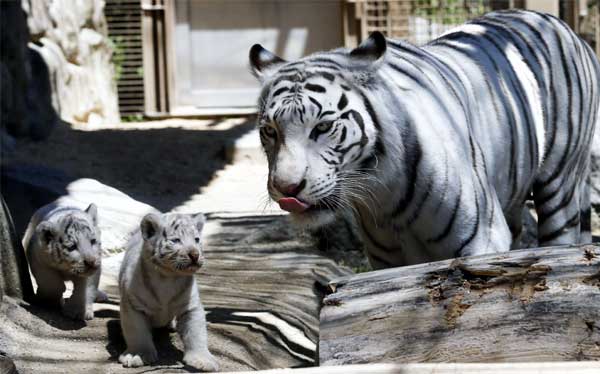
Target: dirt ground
x,y
161,163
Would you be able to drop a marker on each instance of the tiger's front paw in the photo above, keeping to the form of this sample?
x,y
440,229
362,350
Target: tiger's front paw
x,y
204,361
136,359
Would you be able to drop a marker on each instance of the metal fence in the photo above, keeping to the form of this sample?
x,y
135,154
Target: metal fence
x,y
589,24
419,21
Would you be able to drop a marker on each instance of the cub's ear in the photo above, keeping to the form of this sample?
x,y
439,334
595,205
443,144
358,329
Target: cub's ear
x,y
46,232
200,220
263,62
150,226
92,210
372,49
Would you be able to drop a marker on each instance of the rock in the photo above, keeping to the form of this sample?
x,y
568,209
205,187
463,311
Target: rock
x,y
7,366
26,109
13,55
26,188
118,214
8,143
41,22
41,116
14,271
72,38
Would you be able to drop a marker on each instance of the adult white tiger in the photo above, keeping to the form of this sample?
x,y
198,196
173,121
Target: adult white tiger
x,y
436,148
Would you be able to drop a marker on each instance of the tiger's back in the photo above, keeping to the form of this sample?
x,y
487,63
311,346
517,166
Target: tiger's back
x,y
542,83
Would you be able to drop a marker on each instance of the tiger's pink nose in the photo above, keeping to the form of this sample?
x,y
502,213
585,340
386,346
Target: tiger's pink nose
x,y
290,190
194,255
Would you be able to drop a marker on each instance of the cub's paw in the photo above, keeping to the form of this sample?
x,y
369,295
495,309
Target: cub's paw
x,y
204,361
79,312
101,297
89,313
136,359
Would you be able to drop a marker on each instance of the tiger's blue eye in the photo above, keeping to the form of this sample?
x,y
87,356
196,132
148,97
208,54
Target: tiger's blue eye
x,y
176,240
72,247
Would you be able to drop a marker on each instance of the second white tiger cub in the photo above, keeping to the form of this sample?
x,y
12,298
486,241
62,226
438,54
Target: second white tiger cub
x,y
63,244
157,285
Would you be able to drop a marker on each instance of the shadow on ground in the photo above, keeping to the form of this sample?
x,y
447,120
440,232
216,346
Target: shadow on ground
x,y
170,355
162,167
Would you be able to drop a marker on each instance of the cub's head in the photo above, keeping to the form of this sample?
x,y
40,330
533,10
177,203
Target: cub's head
x,y
174,241
318,128
73,241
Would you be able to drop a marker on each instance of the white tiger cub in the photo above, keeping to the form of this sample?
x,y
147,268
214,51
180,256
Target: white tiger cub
x,y
157,284
63,244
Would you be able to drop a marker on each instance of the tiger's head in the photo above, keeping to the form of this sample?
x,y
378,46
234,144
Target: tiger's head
x,y
173,242
317,127
73,241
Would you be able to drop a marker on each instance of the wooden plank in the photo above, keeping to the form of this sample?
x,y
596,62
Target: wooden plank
x,y
529,305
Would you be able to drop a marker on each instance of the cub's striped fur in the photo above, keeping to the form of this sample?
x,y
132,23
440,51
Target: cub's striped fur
x,y
63,244
436,148
158,288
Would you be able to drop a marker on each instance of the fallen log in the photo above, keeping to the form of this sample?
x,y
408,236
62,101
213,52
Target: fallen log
x,y
588,367
528,306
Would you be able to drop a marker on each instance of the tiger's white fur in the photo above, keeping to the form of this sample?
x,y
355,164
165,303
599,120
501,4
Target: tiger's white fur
x,y
63,244
157,284
435,149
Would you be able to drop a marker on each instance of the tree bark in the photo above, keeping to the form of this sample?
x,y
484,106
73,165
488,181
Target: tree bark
x,y
528,305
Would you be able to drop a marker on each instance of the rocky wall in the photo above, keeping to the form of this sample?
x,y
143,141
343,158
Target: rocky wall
x,y
72,38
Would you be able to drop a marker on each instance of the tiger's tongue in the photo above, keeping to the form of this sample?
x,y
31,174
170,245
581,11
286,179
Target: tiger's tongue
x,y
293,205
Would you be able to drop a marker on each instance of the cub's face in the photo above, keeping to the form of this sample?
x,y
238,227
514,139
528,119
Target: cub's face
x,y
174,241
73,242
318,130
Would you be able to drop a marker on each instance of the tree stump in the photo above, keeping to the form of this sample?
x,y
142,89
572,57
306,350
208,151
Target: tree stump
x,y
528,305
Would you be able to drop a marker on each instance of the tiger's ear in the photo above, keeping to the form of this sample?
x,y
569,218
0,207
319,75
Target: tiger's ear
x,y
372,49
92,211
150,226
199,220
46,232
263,62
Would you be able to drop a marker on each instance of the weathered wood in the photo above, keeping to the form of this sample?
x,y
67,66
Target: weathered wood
x,y
529,305
590,367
